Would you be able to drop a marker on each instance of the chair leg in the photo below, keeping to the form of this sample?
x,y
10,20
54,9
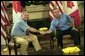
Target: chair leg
x,y
9,50
51,43
51,47
15,48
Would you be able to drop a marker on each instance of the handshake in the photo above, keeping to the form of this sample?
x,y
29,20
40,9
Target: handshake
x,y
44,31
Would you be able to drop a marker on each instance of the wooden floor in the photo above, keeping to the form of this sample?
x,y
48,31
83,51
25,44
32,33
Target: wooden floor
x,y
46,48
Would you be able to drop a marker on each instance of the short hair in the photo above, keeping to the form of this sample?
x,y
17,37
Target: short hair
x,y
55,9
23,12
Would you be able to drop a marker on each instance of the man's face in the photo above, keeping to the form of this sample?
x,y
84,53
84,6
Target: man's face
x,y
25,16
56,13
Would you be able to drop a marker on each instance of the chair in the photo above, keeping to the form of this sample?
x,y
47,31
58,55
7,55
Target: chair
x,y
12,45
71,37
65,37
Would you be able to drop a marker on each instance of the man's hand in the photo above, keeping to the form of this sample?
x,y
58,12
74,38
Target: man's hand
x,y
75,29
42,32
45,32
33,30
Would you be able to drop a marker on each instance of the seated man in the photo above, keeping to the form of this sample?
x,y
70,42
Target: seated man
x,y
19,30
64,24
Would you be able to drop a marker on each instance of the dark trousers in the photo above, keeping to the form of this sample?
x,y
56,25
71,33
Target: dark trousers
x,y
74,34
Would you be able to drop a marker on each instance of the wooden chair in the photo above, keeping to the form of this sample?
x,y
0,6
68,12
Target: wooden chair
x,y
67,36
14,45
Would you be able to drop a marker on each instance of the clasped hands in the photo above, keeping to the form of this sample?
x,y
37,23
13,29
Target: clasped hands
x,y
42,32
45,32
